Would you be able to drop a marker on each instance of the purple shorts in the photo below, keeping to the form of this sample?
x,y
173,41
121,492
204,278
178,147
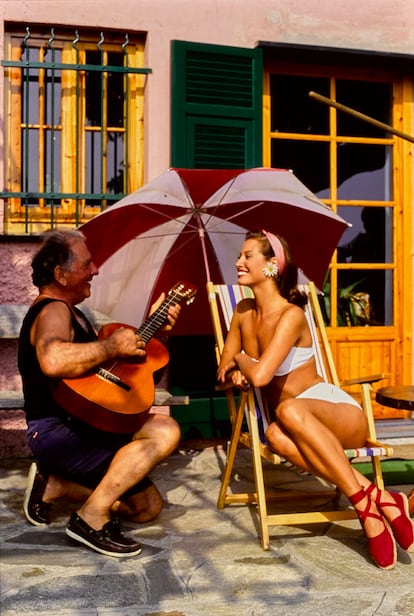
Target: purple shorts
x,y
73,450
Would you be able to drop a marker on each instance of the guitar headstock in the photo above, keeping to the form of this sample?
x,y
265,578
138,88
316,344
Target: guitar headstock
x,y
183,292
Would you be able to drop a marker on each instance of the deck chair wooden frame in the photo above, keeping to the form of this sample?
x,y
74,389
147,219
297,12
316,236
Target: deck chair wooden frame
x,y
222,301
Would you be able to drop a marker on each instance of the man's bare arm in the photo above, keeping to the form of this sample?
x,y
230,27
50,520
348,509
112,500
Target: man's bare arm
x,y
59,356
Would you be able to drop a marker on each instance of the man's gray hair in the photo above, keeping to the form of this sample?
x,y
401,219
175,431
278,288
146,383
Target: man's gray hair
x,y
56,249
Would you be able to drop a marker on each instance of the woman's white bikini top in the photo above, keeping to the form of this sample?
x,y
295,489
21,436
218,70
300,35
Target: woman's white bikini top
x,y
296,357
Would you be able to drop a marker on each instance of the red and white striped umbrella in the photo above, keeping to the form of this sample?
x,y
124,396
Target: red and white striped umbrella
x,y
189,224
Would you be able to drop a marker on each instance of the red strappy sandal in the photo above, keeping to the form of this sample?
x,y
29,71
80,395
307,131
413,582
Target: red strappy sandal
x,y
382,547
402,526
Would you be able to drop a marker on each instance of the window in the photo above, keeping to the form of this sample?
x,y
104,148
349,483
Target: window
x,y
74,134
362,170
349,164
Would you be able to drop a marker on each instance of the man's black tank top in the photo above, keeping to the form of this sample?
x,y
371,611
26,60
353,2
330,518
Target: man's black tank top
x,y
39,402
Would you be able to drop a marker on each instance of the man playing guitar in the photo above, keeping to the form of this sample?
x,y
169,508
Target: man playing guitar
x,y
107,472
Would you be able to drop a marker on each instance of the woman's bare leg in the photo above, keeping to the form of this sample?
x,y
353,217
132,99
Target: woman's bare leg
x,y
313,434
285,446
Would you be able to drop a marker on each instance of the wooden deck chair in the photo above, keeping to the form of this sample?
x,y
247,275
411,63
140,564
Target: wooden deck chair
x,y
246,408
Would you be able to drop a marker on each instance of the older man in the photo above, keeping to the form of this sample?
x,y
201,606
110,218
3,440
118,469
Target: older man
x,y
106,472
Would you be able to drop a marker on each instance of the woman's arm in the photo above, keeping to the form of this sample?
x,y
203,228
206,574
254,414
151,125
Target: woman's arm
x,y
288,331
232,345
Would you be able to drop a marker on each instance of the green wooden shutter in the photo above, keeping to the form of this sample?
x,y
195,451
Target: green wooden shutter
x,y
216,111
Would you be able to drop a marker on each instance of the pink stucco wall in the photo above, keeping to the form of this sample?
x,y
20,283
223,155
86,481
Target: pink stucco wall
x,y
16,288
16,284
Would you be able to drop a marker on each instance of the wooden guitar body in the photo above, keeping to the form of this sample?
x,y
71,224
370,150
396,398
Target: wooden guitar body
x,y
117,395
106,405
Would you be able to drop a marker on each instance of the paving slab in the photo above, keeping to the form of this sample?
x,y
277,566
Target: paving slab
x,y
196,560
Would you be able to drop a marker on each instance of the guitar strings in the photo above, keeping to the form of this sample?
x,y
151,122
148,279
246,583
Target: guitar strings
x,y
156,320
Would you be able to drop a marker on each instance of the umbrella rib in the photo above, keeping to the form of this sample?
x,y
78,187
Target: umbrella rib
x,y
151,209
213,213
252,207
238,214
186,223
173,234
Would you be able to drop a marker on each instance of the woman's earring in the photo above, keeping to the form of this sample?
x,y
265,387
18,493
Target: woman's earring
x,y
271,270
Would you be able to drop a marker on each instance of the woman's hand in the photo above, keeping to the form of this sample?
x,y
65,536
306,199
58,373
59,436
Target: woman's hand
x,y
231,373
223,371
238,379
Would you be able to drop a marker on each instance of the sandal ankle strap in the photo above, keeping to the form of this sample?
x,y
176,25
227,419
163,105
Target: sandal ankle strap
x,y
357,497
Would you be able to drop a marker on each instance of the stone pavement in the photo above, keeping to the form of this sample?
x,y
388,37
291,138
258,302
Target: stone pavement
x,y
196,560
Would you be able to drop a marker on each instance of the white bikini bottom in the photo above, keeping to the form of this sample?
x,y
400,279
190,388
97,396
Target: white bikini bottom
x,y
328,392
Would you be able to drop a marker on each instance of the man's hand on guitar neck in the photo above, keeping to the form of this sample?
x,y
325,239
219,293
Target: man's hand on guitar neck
x,y
173,313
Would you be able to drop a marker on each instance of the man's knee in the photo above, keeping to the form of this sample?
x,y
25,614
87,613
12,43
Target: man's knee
x,y
166,431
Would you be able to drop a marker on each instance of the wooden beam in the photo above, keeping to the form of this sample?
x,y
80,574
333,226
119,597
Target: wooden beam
x,y
361,116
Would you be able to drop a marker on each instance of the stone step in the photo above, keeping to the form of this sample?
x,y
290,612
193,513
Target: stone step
x,y
395,430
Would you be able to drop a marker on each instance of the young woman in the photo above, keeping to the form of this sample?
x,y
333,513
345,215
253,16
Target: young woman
x,y
269,346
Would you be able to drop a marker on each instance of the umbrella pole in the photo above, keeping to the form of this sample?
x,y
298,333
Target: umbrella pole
x,y
203,248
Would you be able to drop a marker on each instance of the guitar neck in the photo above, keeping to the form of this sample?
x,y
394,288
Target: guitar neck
x,y
156,320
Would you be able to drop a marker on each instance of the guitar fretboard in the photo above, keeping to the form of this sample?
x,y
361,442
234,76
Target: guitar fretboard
x,y
158,318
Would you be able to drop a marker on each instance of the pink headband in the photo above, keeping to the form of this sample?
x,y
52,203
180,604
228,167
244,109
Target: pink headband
x,y
277,249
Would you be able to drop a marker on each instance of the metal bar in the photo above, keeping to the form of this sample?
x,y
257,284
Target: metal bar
x,y
104,105
361,116
50,195
26,81
126,111
76,67
41,131
77,136
52,144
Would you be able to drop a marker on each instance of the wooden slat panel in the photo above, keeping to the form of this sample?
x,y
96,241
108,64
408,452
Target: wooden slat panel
x,y
355,358
364,357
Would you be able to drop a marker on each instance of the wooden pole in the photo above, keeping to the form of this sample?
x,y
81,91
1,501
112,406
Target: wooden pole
x,y
361,116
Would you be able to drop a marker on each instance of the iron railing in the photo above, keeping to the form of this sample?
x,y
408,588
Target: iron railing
x,y
30,69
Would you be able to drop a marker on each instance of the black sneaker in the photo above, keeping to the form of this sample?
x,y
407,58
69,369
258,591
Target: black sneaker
x,y
36,511
108,541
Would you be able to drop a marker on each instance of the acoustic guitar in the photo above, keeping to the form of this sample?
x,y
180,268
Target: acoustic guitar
x,y
113,396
